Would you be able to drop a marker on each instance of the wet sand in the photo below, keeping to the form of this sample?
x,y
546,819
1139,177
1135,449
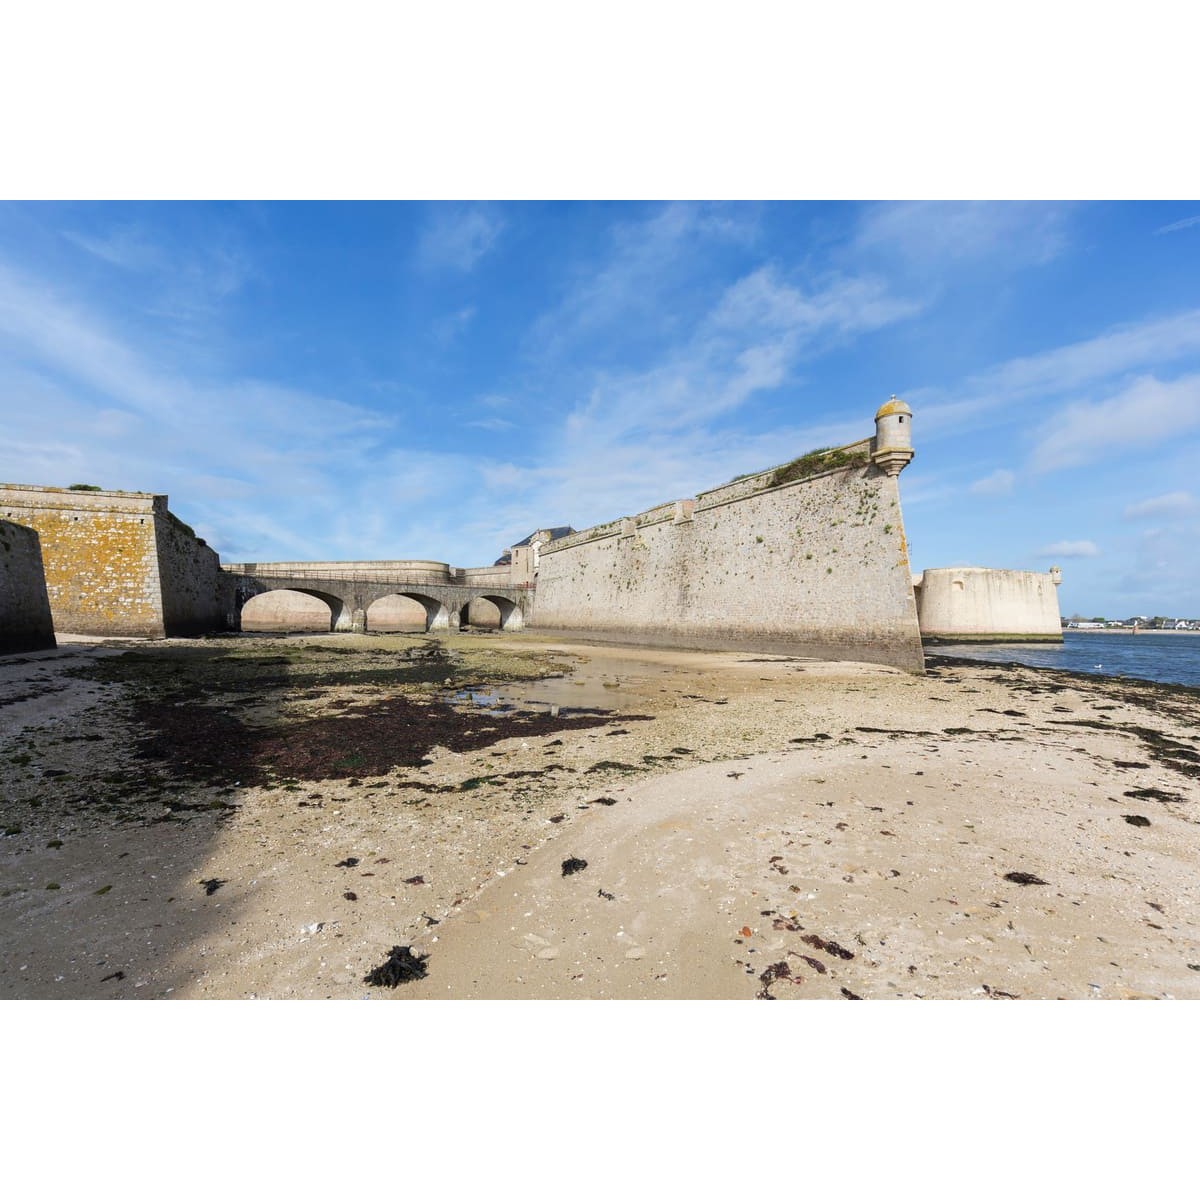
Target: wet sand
x,y
777,828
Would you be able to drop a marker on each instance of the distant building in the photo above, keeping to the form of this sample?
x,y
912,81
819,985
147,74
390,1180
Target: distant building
x,y
537,539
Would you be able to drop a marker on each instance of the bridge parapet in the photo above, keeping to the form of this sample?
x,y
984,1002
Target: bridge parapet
x,y
350,594
416,570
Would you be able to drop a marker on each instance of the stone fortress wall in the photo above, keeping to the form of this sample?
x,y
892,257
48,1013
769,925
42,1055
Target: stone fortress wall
x,y
119,563
978,604
25,620
809,558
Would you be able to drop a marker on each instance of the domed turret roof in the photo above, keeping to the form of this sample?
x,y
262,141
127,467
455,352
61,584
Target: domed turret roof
x,y
892,407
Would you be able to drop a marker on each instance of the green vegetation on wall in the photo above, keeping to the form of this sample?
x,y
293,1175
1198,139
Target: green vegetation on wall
x,y
815,462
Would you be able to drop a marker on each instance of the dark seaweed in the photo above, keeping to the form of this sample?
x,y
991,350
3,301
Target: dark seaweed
x,y
829,947
1023,878
779,970
571,865
402,966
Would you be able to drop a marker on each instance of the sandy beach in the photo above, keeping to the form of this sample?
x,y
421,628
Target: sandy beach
x,y
270,817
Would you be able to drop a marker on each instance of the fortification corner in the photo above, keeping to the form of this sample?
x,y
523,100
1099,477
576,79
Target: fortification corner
x,y
25,619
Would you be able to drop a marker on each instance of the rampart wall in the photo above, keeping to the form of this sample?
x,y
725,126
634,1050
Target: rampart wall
x,y
817,566
979,604
189,573
25,621
119,563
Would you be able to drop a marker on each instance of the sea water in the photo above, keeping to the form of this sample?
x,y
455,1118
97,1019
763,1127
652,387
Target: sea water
x,y
1161,657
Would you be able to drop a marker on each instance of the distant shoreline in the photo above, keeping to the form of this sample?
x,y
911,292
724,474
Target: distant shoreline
x,y
1180,632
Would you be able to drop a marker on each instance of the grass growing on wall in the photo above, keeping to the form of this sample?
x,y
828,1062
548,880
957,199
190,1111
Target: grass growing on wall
x,y
816,461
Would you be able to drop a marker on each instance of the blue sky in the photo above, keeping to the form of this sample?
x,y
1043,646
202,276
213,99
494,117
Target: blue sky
x,y
413,379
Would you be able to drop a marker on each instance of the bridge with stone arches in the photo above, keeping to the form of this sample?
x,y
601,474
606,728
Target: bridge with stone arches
x,y
350,593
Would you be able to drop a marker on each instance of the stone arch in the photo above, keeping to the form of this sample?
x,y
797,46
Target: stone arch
x,y
437,615
481,613
511,617
396,613
287,610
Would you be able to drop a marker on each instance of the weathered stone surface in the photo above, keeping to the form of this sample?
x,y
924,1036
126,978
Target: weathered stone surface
x,y
979,604
817,566
25,621
118,563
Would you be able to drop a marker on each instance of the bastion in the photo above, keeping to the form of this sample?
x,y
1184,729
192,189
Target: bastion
x,y
119,563
808,558
980,604
25,621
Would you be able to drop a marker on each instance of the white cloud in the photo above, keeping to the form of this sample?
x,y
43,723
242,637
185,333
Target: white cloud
x,y
646,260
1143,414
761,300
448,329
1000,394
1172,504
492,424
1083,549
930,234
998,483
458,237
757,332
1186,223
127,248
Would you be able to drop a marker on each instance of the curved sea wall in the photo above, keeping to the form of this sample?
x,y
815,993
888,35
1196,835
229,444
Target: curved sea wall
x,y
978,604
795,560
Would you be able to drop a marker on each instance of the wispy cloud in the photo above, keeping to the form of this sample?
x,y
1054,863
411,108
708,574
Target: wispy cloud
x,y
456,238
645,261
492,424
1145,413
929,235
758,331
448,329
1081,549
1172,504
1176,226
126,417
1002,392
127,248
998,483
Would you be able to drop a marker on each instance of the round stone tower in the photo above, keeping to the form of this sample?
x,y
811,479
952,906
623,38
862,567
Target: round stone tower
x,y
893,450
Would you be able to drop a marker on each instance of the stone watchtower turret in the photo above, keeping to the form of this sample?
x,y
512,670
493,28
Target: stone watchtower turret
x,y
893,450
